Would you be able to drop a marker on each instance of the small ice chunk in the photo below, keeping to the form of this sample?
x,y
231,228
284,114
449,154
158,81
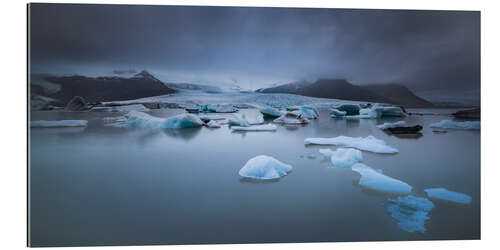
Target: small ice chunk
x,y
238,120
213,124
387,125
264,167
271,112
140,119
368,113
410,212
218,108
350,109
291,118
342,157
372,179
58,123
471,125
368,143
266,127
446,195
392,111
308,112
136,107
253,116
337,113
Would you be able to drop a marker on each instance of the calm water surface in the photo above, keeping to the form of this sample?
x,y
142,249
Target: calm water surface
x,y
101,185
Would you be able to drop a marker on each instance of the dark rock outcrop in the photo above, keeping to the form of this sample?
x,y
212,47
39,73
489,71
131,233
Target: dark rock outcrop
x,y
405,130
471,114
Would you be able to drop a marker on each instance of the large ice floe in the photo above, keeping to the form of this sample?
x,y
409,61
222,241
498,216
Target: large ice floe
x,y
58,123
136,107
387,125
140,119
291,118
446,195
448,124
368,143
374,180
264,167
410,212
271,112
266,127
342,157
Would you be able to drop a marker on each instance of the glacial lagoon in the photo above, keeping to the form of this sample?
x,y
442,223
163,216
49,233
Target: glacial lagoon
x,y
102,185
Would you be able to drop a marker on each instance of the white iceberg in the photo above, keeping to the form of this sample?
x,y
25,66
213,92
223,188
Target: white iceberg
x,y
291,118
264,167
374,180
410,212
387,125
58,123
392,111
238,120
308,112
136,107
337,113
368,143
271,112
140,119
266,127
446,195
342,157
213,124
470,125
218,108
253,116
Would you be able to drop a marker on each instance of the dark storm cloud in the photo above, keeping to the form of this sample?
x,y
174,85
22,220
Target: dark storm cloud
x,y
422,49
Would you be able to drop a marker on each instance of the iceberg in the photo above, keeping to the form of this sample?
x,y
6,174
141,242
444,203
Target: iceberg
x,y
238,120
350,109
264,167
213,124
410,212
393,111
337,113
58,123
446,195
377,181
136,107
218,108
291,118
367,113
271,112
342,157
470,125
140,119
308,112
368,143
266,127
387,125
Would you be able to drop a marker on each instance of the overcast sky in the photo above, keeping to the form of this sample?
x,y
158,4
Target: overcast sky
x,y
259,47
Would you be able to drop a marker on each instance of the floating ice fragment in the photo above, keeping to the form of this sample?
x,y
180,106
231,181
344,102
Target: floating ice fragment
x,y
58,123
350,109
140,119
342,157
218,108
410,212
253,116
291,118
213,124
308,112
337,113
471,125
368,113
264,167
136,107
368,143
271,112
377,181
392,111
238,120
446,195
266,127
387,125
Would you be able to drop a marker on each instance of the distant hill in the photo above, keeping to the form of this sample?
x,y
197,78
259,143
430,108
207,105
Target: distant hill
x,y
99,89
341,89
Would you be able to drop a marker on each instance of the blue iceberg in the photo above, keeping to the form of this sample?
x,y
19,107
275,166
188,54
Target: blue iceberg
x,y
264,167
410,212
446,195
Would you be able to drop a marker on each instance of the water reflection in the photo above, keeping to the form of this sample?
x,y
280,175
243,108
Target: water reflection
x,y
258,181
185,134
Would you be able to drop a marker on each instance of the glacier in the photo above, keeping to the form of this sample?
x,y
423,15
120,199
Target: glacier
x,y
58,123
377,181
410,212
141,119
136,107
448,124
446,195
266,127
387,125
264,167
368,143
342,157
